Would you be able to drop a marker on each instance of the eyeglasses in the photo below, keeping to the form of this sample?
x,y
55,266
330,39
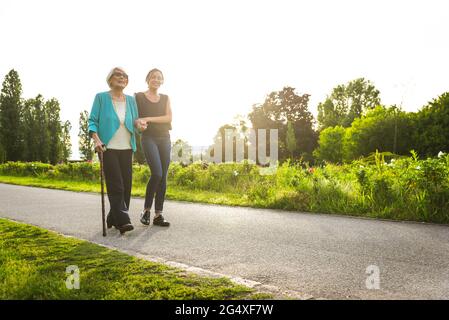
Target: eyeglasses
x,y
120,74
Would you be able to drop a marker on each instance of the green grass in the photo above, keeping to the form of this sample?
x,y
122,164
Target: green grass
x,y
173,192
33,264
52,183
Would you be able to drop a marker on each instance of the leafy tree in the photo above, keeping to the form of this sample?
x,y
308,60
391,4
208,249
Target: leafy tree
x,y
183,151
66,144
331,145
239,128
30,129
2,150
54,128
220,139
347,102
291,139
42,131
432,127
2,154
279,108
10,117
43,135
85,142
383,129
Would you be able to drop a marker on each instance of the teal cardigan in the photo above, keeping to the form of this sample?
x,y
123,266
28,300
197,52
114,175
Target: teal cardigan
x,y
104,120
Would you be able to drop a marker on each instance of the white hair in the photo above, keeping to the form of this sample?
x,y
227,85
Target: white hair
x,y
108,78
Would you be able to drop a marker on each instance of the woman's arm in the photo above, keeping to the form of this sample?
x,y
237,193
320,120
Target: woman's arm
x,y
99,146
162,119
94,116
139,124
93,124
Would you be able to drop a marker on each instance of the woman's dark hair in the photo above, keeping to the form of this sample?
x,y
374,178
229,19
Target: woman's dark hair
x,y
151,71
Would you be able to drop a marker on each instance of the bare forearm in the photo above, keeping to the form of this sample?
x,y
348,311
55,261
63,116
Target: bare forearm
x,y
99,147
96,138
162,119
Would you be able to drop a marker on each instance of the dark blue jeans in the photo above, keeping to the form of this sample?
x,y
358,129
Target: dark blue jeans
x,y
157,153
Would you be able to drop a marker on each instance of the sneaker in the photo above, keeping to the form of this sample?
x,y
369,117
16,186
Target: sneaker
x,y
160,221
145,217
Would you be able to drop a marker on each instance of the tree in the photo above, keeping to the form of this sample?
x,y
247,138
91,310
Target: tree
x,y
54,128
378,130
279,108
2,154
42,133
347,102
85,142
331,145
30,130
66,144
219,140
10,117
2,150
290,139
432,127
239,129
182,152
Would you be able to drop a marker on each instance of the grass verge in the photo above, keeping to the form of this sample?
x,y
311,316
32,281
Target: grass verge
x,y
33,264
173,192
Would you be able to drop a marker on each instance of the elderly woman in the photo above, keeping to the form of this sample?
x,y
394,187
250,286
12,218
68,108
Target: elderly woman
x,y
112,124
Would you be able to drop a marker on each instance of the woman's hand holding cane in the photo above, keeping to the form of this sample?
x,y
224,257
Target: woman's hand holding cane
x,y
99,145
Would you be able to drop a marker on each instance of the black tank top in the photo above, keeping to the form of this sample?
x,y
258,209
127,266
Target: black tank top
x,y
147,108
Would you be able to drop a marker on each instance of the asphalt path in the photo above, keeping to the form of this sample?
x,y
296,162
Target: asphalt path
x,y
318,255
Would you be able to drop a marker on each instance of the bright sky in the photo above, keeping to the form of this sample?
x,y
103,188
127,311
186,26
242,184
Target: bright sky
x,y
219,57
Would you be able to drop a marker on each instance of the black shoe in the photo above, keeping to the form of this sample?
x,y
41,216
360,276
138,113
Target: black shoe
x,y
160,221
145,217
110,225
109,221
126,227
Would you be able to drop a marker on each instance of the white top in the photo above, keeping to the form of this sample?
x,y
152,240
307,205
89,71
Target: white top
x,y
122,137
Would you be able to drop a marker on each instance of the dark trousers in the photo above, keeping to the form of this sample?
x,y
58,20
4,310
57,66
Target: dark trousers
x,y
157,153
118,174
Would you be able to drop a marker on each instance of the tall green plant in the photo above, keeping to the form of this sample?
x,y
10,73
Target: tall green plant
x,y
291,139
65,141
347,102
10,117
432,127
85,142
55,130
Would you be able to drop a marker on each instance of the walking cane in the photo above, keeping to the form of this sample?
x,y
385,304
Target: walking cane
x,y
100,155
